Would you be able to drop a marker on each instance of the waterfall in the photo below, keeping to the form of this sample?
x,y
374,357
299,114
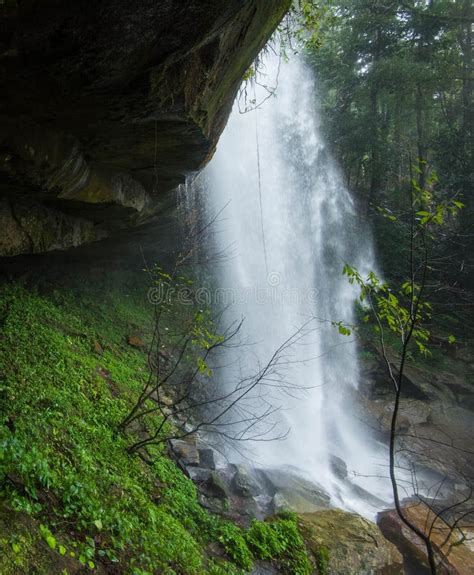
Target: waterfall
x,y
287,224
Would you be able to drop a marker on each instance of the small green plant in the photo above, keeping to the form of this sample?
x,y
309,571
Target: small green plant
x,y
235,545
404,312
48,536
263,540
322,560
279,540
184,337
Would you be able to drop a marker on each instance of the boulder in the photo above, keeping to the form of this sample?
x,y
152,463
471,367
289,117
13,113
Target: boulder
x,y
293,492
185,451
217,486
233,490
280,503
214,492
245,482
207,458
338,467
136,340
263,568
455,555
198,474
350,544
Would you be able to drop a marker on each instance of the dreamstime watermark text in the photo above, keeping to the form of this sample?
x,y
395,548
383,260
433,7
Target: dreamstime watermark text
x,y
273,292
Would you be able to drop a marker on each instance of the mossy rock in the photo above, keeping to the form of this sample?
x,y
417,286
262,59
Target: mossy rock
x,y
347,544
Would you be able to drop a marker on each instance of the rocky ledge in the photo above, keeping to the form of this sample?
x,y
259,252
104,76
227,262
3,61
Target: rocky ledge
x,y
338,542
106,106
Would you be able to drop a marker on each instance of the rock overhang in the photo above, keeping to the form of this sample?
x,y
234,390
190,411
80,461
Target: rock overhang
x,y
105,107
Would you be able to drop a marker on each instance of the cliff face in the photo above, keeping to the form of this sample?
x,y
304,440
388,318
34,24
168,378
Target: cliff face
x,y
106,106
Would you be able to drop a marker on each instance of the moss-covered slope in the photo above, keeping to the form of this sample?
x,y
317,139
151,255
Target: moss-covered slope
x,y
71,499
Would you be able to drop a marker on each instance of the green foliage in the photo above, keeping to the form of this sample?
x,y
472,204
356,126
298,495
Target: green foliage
x,y
233,541
63,462
341,328
280,541
302,25
322,560
394,309
61,403
404,310
263,540
59,414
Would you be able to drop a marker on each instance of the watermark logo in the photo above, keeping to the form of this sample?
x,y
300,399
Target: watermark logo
x,y
273,291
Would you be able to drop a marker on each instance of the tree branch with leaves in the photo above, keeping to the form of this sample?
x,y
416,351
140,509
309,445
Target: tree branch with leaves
x,y
405,313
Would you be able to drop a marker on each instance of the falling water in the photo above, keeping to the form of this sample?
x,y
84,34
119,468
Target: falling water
x,y
287,225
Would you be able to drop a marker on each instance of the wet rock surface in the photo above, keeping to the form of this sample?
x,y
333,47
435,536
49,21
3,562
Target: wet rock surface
x,y
186,452
241,491
262,568
351,544
436,411
453,548
292,492
245,482
206,458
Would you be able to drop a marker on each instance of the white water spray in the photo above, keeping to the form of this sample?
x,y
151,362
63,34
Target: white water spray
x,y
289,226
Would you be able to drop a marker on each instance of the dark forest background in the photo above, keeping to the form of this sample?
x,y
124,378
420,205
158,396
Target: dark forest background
x,y
395,83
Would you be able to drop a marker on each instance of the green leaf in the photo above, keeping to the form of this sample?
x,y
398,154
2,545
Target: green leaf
x,y
16,548
451,339
48,536
62,550
344,330
98,524
51,541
